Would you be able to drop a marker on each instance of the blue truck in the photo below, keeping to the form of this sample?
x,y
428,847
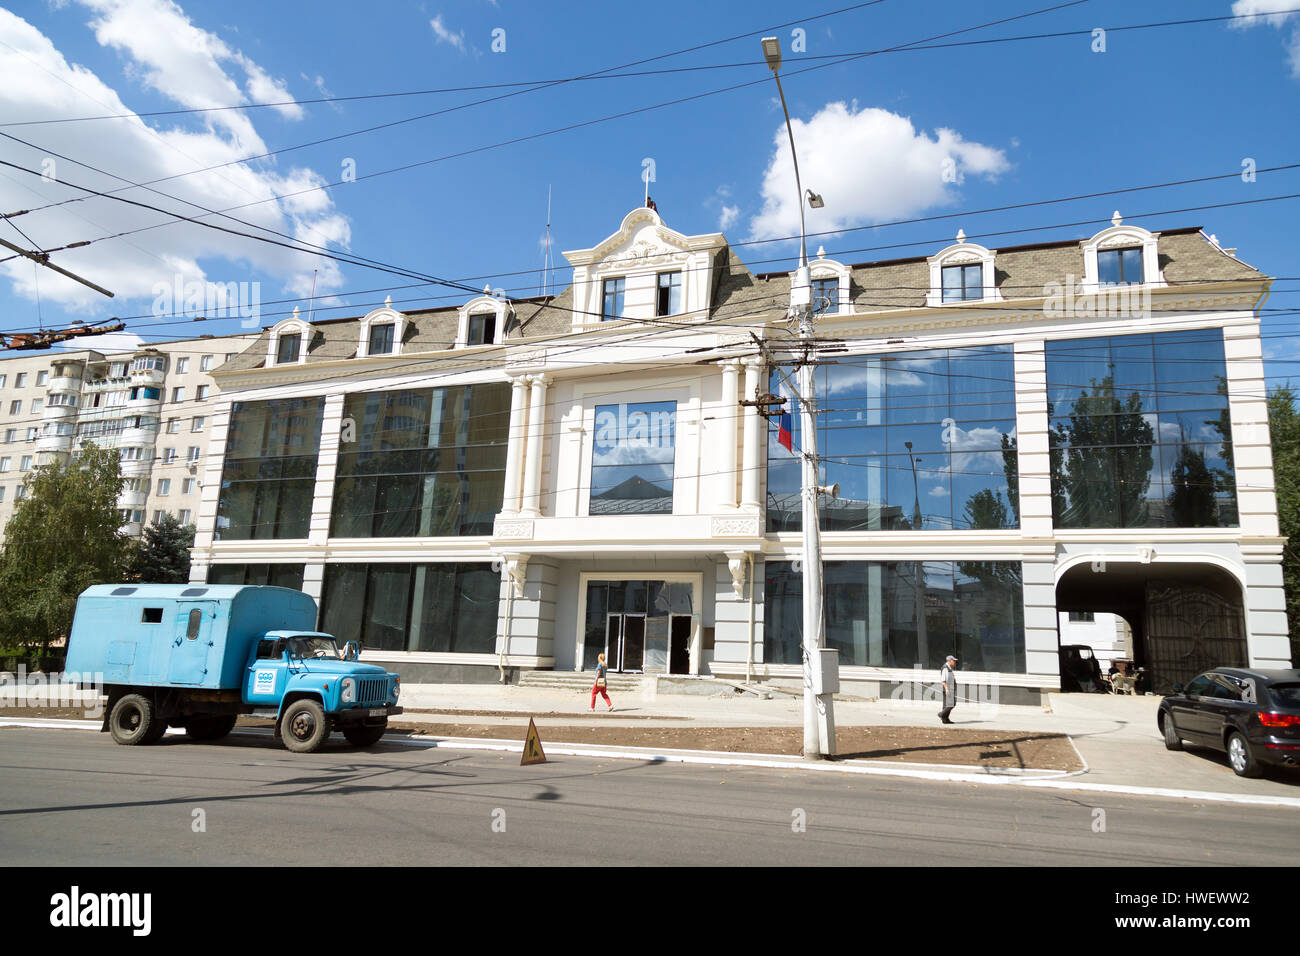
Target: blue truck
x,y
198,656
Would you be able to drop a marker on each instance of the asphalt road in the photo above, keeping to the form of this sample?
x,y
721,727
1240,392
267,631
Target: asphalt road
x,y
76,799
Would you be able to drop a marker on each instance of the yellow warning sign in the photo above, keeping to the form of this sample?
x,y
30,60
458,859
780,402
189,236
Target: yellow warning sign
x,y
532,746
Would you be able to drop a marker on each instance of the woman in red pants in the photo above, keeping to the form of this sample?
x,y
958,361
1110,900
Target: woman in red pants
x,y
599,686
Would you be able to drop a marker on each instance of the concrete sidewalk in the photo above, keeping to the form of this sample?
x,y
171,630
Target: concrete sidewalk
x,y
1115,735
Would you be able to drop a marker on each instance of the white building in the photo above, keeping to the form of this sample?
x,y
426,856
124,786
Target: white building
x,y
1016,432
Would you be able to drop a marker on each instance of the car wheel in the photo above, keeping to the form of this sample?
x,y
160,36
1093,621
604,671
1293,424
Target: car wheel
x,y
1172,740
1240,758
304,726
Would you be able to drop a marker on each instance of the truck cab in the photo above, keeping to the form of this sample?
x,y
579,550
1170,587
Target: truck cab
x,y
199,656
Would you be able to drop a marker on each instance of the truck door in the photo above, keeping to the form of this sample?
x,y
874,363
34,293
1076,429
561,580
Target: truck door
x,y
265,680
191,643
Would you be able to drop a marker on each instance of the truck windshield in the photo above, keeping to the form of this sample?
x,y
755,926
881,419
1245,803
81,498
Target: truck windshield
x,y
313,647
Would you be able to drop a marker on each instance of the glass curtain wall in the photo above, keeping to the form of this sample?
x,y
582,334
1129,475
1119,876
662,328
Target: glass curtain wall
x,y
275,575
904,613
1141,434
425,462
916,441
269,473
413,607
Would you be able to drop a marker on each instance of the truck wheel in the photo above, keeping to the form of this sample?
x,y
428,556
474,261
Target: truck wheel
x,y
157,731
361,735
132,721
1172,740
304,726
210,728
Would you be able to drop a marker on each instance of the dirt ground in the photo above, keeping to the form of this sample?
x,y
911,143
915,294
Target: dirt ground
x,y
932,745
936,745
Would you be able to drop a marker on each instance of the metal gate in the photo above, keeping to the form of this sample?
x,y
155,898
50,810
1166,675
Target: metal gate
x,y
1190,629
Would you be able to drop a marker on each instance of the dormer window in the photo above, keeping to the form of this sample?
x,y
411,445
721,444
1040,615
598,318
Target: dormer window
x,y
670,293
482,321
482,329
381,331
826,296
963,272
1121,256
613,291
287,348
963,283
381,339
1119,266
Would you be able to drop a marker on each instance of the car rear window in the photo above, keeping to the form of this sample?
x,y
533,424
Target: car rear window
x,y
1286,695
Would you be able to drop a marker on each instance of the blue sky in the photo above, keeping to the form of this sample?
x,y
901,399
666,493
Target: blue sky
x,y
1024,121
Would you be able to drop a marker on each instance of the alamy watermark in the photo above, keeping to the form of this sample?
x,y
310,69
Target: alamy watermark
x,y
929,693
1075,300
212,300
54,689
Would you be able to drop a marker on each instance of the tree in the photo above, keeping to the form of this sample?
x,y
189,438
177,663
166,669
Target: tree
x,y
163,556
1284,430
62,538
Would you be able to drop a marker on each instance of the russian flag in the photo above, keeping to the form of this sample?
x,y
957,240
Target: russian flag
x,y
785,423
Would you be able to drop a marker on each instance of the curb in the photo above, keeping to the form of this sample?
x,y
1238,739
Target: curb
x,y
1044,779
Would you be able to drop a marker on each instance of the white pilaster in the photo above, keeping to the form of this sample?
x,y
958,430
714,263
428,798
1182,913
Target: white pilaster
x,y
532,504
753,439
728,414
322,501
1252,454
1034,462
515,449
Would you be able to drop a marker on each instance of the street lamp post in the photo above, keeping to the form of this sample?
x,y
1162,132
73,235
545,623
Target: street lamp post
x,y
819,719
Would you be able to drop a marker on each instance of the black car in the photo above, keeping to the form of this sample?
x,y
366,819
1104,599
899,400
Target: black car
x,y
1252,715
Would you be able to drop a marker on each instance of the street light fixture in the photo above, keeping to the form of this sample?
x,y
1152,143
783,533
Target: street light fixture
x,y
820,679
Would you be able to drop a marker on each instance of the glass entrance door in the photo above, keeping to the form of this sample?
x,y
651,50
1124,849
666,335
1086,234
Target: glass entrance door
x,y
625,642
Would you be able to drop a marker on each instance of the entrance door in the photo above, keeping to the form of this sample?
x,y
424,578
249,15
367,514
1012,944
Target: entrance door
x,y
625,642
680,639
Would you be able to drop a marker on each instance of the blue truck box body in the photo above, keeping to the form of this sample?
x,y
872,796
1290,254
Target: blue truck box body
x,y
179,635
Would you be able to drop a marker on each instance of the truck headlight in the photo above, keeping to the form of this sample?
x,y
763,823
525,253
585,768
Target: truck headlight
x,y
349,690
397,687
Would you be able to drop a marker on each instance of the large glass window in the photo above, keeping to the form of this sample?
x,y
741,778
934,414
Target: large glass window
x,y
612,293
425,462
904,614
632,459
275,575
1141,435
915,440
413,607
270,469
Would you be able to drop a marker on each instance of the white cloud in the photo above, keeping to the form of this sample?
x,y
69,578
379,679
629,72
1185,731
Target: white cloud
x,y
1276,13
869,165
729,215
42,84
444,35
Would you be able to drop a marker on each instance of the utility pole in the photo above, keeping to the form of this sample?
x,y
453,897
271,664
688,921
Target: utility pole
x,y
820,676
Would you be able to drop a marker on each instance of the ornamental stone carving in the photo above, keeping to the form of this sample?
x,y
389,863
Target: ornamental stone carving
x,y
743,526
512,528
